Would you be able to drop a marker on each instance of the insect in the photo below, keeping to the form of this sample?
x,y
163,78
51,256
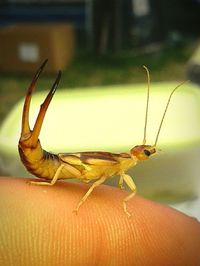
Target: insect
x,y
85,166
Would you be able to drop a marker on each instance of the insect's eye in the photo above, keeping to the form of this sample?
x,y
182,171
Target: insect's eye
x,y
146,152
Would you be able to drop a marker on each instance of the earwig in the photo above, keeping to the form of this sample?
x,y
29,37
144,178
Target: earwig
x,y
85,166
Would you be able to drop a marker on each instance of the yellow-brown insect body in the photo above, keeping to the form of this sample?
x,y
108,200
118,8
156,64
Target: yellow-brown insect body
x,y
93,165
85,166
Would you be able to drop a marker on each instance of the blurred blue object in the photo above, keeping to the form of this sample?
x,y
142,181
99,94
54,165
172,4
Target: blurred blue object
x,y
74,13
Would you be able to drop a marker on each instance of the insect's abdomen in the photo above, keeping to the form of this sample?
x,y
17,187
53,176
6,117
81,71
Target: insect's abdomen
x,y
39,162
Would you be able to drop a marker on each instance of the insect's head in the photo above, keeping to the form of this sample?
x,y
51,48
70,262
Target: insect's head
x,y
143,152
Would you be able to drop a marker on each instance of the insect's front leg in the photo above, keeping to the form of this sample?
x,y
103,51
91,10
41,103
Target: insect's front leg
x,y
129,181
95,184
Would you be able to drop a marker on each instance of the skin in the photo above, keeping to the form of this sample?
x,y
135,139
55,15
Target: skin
x,y
38,227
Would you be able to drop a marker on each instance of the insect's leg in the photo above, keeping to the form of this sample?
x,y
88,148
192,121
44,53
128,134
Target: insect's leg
x,y
95,184
86,181
132,186
121,181
53,180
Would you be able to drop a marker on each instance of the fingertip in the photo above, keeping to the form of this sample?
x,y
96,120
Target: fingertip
x,y
155,234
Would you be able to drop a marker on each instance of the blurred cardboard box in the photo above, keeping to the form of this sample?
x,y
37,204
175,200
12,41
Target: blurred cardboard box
x,y
24,46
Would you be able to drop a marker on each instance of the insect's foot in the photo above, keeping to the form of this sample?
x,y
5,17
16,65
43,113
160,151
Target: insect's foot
x,y
38,183
128,214
125,210
86,181
33,182
121,187
75,211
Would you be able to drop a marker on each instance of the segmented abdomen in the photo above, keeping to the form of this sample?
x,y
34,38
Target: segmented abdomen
x,y
44,166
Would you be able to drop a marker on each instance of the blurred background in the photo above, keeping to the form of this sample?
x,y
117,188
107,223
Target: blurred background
x,y
106,41
97,43
100,42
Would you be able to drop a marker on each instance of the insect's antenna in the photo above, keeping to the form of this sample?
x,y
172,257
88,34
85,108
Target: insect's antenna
x,y
147,105
43,109
165,111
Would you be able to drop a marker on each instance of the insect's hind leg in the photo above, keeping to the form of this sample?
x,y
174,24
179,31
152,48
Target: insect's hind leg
x,y
129,181
95,184
53,180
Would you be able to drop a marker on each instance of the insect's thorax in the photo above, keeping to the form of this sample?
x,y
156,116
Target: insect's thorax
x,y
119,163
